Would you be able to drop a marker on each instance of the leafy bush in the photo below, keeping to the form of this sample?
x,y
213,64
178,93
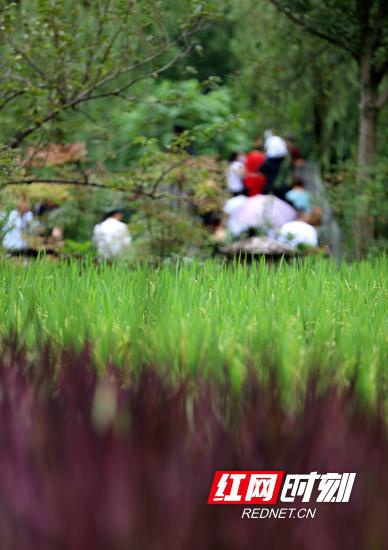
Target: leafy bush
x,y
360,205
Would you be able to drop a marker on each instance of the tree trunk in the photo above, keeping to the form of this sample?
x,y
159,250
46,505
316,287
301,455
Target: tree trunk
x,y
368,114
319,112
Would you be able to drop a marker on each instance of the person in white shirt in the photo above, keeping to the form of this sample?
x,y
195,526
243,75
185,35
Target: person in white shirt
x,y
302,231
235,174
111,237
18,222
276,151
274,146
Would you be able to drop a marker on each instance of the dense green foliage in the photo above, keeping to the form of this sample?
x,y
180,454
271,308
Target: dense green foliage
x,y
58,56
211,318
351,199
114,76
167,103
255,54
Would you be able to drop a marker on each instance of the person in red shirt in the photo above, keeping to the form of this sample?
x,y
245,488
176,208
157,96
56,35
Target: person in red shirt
x,y
254,181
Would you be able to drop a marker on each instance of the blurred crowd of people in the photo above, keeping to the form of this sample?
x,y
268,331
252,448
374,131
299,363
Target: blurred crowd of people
x,y
263,170
268,194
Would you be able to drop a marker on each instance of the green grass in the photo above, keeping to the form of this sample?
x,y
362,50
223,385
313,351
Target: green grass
x,y
211,317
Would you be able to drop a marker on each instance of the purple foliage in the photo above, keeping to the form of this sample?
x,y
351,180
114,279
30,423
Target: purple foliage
x,y
86,463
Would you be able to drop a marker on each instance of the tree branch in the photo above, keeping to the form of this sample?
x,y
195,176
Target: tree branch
x,y
301,69
57,181
93,47
89,95
382,99
378,23
22,134
10,98
306,25
362,8
136,192
382,70
30,62
165,172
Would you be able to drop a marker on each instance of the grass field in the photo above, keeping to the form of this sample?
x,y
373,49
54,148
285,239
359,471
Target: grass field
x,y
210,318
123,390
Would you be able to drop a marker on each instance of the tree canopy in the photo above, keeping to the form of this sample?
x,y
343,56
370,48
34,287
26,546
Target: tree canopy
x,y
58,56
360,27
